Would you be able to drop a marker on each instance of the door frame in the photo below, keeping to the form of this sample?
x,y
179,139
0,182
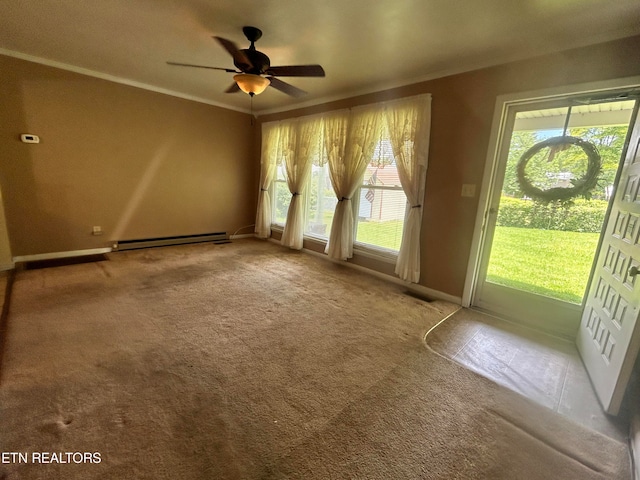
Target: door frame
x,y
504,104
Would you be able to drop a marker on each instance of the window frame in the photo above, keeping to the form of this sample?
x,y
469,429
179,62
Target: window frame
x,y
365,249
374,251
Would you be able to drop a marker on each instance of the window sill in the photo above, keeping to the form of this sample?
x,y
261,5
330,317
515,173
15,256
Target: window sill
x,y
375,254
359,249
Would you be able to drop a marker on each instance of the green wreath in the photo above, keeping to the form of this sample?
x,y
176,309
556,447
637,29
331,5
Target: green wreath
x,y
581,187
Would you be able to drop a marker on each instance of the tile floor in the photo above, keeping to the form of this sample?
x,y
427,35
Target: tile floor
x,y
541,367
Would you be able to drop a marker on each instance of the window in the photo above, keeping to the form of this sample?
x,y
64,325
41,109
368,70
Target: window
x,y
281,196
321,203
379,204
381,208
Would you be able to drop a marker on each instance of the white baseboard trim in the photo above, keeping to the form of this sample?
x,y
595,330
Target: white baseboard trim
x,y
420,290
54,255
432,293
79,253
7,266
242,235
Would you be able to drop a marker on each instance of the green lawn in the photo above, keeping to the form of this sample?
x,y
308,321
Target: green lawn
x,y
382,234
548,262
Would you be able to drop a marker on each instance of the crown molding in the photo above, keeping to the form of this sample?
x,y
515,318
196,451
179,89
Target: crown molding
x,y
115,79
459,69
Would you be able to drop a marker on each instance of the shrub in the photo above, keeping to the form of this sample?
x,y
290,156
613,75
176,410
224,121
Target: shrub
x,y
580,216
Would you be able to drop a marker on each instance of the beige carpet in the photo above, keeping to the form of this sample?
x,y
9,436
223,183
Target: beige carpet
x,y
249,361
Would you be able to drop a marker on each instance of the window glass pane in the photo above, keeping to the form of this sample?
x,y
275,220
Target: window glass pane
x,y
281,201
381,207
546,249
321,202
280,172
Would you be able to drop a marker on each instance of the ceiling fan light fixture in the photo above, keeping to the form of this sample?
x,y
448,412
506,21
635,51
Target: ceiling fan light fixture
x,y
251,84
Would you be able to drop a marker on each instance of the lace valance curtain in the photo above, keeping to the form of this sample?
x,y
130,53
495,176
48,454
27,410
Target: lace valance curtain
x,y
347,140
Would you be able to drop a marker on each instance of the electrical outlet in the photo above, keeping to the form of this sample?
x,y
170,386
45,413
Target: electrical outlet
x,y
468,190
29,138
97,230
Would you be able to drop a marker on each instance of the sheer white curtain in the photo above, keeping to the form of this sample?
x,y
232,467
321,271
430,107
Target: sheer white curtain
x,y
268,161
409,124
300,140
350,139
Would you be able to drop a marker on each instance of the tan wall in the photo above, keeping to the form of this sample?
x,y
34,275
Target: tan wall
x,y
142,164
137,163
462,114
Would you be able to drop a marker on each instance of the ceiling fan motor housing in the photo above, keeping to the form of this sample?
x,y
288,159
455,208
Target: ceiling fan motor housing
x,y
260,63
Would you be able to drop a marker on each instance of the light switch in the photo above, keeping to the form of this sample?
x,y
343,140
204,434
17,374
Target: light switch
x,y
468,190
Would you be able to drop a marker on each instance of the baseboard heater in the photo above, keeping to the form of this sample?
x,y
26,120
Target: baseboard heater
x,y
217,238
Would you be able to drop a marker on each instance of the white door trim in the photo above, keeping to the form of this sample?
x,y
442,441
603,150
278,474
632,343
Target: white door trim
x,y
503,103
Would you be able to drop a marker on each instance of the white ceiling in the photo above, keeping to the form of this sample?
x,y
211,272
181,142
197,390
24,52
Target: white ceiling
x,y
363,45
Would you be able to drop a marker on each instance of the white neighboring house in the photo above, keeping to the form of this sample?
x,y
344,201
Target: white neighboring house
x,y
382,204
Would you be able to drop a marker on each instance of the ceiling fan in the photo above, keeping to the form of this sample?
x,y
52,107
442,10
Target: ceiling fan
x,y
254,71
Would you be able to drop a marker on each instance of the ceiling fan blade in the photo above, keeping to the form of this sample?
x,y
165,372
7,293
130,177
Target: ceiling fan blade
x,y
232,88
296,71
237,54
286,88
203,66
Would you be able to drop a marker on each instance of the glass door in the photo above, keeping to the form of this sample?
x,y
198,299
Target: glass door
x,y
553,181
